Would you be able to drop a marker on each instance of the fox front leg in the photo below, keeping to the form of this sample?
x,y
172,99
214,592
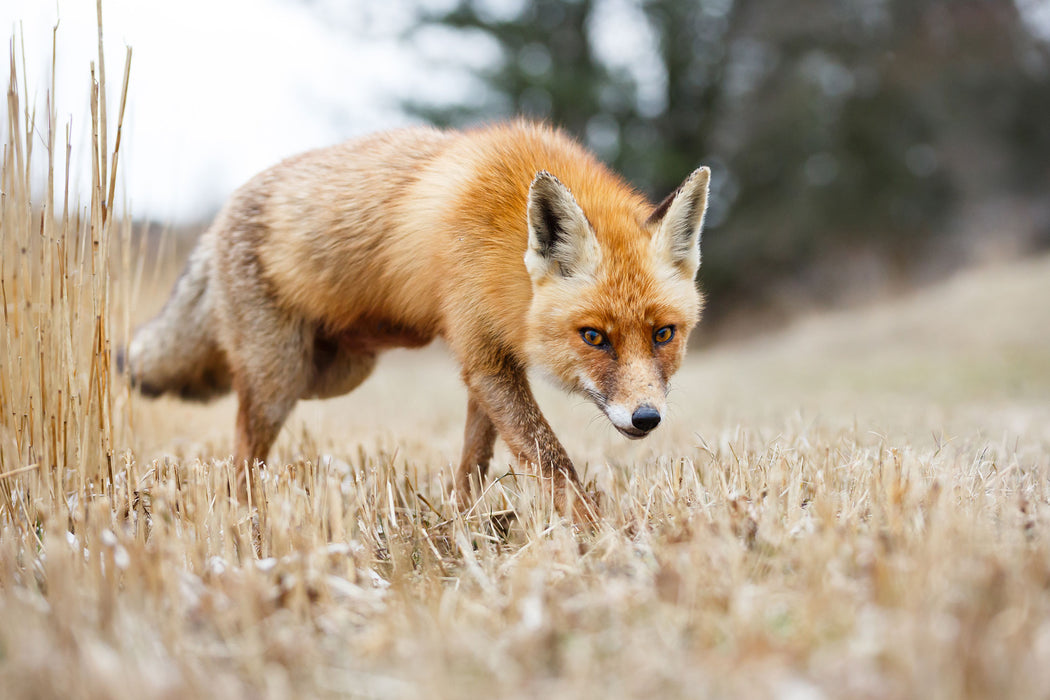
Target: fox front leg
x,y
504,394
479,437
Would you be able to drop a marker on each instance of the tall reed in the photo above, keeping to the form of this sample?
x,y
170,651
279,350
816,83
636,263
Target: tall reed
x,y
63,419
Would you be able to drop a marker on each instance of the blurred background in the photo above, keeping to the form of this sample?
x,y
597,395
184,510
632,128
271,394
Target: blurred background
x,y
860,148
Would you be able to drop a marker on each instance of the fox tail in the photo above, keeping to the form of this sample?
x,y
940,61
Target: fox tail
x,y
177,352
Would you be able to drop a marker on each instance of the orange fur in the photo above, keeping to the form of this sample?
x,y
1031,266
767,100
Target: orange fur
x,y
506,241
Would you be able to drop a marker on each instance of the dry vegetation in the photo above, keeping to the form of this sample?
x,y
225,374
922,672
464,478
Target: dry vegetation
x,y
857,507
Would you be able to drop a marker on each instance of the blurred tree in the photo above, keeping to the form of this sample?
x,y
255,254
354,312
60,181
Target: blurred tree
x,y
549,70
693,39
869,129
838,129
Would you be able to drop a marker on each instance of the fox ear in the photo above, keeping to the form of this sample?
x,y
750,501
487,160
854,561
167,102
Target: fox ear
x,y
679,219
561,241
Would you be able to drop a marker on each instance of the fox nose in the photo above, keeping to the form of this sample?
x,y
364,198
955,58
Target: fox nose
x,y
645,418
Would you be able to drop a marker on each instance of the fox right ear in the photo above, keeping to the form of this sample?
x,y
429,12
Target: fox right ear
x,y
561,241
678,221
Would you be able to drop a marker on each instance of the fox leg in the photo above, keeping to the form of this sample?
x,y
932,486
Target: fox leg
x,y
261,412
271,372
503,392
479,437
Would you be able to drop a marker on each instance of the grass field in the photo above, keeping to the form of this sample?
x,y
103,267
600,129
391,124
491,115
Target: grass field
x,y
856,506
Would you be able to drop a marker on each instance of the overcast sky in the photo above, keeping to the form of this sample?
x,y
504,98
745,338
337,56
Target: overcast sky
x,y
223,88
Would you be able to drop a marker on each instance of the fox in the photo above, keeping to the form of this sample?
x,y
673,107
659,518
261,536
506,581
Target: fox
x,y
511,242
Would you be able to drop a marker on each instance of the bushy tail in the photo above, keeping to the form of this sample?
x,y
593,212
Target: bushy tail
x,y
177,352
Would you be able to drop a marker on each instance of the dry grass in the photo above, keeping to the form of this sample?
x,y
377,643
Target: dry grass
x,y
857,507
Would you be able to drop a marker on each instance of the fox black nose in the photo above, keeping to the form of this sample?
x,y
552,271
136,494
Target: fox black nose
x,y
645,418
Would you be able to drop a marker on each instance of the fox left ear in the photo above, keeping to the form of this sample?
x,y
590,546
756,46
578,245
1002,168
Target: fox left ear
x,y
679,219
561,241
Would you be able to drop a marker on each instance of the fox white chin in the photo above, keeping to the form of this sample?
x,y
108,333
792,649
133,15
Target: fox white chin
x,y
633,433
620,417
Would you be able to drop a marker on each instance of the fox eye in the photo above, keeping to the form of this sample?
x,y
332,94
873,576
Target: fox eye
x,y
662,336
593,337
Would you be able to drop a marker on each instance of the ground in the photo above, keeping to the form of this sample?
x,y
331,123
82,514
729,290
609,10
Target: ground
x,y
855,506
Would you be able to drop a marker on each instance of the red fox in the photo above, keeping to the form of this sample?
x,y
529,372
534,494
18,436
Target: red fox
x,y
511,242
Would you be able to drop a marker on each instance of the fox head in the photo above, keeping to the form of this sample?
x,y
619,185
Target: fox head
x,y
614,300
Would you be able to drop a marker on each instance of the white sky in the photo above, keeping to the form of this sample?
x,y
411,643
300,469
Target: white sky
x,y
221,89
